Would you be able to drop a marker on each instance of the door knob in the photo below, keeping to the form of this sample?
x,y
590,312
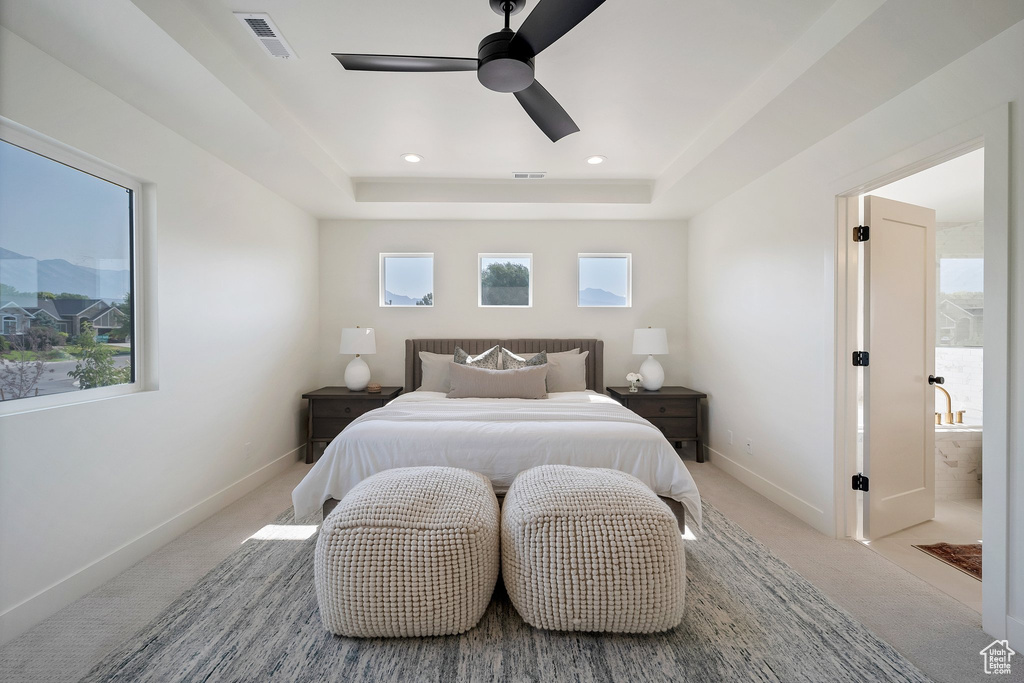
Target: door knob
x,y
932,379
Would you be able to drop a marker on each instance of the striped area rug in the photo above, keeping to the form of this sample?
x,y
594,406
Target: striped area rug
x,y
749,617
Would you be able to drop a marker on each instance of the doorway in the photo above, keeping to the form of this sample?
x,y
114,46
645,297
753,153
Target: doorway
x,y
932,524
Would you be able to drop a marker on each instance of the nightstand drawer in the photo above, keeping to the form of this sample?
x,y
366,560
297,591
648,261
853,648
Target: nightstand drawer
x,y
654,407
676,427
329,427
342,408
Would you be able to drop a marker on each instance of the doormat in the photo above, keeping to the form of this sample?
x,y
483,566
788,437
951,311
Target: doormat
x,y
966,558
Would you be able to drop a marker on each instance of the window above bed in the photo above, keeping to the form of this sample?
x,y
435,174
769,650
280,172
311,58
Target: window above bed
x,y
605,281
506,280
406,280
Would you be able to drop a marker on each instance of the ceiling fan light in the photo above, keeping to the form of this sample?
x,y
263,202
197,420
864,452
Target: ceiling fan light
x,y
412,158
596,159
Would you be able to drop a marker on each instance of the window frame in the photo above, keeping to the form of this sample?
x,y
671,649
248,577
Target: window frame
x,y
480,280
382,273
41,145
629,276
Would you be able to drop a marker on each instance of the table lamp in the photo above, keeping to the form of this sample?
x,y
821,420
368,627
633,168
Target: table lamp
x,y
357,340
651,341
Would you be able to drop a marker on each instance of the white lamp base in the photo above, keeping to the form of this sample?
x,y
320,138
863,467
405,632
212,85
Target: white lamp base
x,y
357,374
653,374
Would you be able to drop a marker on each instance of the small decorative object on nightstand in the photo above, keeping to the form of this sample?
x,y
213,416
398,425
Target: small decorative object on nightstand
x,y
673,410
357,340
373,388
331,409
634,378
650,342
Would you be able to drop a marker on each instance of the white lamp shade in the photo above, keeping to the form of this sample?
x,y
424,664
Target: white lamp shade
x,y
650,341
358,340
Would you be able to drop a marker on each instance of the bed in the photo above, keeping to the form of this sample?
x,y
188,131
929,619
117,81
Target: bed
x,y
499,437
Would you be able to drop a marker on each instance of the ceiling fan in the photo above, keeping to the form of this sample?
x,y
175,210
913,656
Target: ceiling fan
x,y
504,61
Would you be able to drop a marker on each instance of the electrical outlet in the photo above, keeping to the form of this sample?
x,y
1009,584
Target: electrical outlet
x,y
247,450
750,446
728,434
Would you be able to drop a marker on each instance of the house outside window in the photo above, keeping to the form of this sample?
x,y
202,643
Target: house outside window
x,y
67,274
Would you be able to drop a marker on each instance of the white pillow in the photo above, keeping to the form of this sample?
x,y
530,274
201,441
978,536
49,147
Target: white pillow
x,y
434,367
567,372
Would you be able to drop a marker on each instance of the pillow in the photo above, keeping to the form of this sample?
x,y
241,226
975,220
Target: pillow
x,y
434,367
487,359
511,361
531,356
473,382
567,372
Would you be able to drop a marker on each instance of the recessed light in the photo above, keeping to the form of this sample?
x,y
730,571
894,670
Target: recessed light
x,y
412,158
596,159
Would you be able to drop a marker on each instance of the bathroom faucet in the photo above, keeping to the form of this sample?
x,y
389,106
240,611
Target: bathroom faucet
x,y
949,401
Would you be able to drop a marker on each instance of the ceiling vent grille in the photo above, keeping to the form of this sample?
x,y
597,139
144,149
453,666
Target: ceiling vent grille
x,y
262,28
529,175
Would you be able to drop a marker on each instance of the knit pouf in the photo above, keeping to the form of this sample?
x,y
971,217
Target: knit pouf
x,y
587,549
409,552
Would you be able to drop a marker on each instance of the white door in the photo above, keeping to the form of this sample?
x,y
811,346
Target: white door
x,y
899,331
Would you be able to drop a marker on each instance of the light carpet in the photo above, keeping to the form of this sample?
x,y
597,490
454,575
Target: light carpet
x,y
749,616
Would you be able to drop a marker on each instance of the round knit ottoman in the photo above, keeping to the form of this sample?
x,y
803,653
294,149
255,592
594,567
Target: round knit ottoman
x,y
587,549
409,552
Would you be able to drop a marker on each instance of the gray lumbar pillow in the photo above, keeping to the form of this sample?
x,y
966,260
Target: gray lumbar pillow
x,y
487,359
567,372
511,361
473,382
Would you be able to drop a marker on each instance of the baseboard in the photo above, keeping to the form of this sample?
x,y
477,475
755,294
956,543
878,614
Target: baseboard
x,y
773,492
1015,634
26,614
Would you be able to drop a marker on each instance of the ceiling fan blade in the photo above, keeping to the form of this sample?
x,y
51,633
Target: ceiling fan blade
x,y
546,112
549,21
405,63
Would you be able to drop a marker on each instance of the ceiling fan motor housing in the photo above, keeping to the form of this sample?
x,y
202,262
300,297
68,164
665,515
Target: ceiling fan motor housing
x,y
499,68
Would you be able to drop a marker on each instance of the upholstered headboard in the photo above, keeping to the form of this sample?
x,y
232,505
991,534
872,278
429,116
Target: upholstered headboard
x,y
595,361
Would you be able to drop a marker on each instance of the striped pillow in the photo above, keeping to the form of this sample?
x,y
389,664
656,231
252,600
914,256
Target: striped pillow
x,y
473,382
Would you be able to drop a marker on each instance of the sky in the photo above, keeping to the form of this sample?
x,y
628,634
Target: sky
x,y
961,275
409,276
609,274
52,211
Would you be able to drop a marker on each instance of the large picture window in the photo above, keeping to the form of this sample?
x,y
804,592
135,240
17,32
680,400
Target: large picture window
x,y
66,274
506,280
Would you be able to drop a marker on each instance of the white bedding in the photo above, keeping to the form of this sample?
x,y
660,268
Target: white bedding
x,y
499,438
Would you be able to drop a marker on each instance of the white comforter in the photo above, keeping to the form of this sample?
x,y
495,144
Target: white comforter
x,y
499,438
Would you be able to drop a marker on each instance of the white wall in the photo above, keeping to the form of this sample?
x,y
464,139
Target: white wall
x,y
87,490
761,310
349,288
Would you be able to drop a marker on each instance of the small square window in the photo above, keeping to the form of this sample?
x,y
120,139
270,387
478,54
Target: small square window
x,y
506,280
605,281
406,280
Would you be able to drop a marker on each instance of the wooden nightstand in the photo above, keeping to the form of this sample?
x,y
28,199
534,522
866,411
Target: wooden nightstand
x,y
673,410
331,409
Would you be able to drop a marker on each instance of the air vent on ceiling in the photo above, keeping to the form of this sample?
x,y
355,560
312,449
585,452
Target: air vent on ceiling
x,y
529,175
266,34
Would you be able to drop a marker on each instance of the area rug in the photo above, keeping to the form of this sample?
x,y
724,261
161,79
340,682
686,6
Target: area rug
x,y
966,558
749,617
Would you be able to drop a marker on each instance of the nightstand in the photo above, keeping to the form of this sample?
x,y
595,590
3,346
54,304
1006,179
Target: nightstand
x,y
331,409
673,410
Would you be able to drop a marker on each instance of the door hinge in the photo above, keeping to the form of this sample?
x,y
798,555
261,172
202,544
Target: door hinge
x,y
860,482
860,359
861,233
